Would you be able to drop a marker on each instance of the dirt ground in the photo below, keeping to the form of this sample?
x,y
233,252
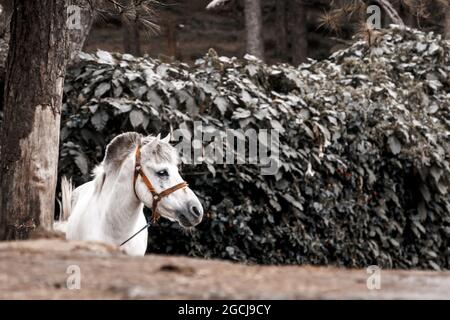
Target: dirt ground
x,y
48,269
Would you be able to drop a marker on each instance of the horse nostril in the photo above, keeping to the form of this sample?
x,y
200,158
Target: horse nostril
x,y
195,211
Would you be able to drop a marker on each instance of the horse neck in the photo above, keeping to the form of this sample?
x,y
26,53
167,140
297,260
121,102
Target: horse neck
x,y
122,206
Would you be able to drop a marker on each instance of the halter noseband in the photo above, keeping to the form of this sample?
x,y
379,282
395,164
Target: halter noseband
x,y
156,196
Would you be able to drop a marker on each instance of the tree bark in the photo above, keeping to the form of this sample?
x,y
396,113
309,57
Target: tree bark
x,y
35,73
253,24
79,34
298,31
281,29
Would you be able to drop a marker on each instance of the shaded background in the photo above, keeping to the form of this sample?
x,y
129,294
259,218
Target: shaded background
x,y
188,29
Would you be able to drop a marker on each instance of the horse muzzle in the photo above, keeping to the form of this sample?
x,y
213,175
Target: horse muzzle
x,y
190,216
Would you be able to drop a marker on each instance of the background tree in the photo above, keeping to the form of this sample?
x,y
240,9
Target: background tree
x,y
405,12
170,29
35,73
298,31
290,24
134,15
281,28
254,25
447,22
130,28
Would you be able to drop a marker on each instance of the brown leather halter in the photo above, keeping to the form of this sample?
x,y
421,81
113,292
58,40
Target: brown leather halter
x,y
156,196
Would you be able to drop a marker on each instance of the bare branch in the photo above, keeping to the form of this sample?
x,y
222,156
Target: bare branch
x,y
392,13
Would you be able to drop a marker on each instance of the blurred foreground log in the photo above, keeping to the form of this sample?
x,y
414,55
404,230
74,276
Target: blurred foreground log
x,y
39,270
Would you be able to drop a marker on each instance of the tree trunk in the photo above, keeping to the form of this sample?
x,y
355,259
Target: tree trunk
x,y
131,38
79,33
172,41
30,134
281,29
130,29
298,31
408,19
78,30
447,23
253,24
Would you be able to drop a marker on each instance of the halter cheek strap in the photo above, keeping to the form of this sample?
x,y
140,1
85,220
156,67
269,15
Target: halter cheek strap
x,y
156,196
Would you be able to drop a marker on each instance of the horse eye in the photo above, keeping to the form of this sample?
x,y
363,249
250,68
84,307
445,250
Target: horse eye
x,y
162,173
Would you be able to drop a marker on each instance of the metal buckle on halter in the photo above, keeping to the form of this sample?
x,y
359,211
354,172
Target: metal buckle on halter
x,y
138,168
156,197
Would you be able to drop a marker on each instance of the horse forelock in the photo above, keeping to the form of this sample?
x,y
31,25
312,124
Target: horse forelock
x,y
159,152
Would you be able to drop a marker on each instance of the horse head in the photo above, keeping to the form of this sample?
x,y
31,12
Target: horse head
x,y
157,180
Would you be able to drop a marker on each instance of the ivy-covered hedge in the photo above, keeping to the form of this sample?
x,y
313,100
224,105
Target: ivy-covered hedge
x,y
364,144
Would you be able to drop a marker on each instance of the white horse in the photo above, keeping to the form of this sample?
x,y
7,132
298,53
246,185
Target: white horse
x,y
136,171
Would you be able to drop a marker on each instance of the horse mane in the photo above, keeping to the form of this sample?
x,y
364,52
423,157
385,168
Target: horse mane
x,y
99,178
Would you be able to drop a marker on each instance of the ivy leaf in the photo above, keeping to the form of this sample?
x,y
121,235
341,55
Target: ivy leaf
x,y
102,89
137,118
241,113
82,162
105,57
99,120
222,104
395,145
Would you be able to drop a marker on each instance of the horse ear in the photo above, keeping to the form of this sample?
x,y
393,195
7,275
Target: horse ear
x,y
166,139
119,147
154,141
